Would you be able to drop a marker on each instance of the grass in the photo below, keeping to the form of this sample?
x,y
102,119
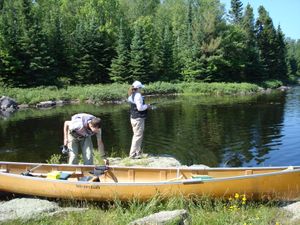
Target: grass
x,y
118,92
201,211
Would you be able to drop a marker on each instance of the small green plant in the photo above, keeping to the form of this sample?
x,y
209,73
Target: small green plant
x,y
54,159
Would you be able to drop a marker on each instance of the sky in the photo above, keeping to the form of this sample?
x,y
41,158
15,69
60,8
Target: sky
x,y
285,13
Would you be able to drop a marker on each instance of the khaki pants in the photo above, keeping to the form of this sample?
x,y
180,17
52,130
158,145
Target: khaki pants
x,y
86,145
138,126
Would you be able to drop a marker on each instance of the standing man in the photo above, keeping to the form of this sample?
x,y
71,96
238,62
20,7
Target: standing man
x,y
138,114
78,132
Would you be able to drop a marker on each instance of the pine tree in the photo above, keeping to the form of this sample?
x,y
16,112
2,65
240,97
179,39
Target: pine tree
x,y
38,63
119,71
267,39
252,68
164,63
236,11
92,55
281,55
138,62
190,71
10,48
140,55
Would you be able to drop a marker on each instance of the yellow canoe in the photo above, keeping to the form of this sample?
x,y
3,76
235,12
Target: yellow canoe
x,y
142,183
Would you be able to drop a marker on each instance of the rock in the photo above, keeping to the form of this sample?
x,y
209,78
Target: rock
x,y
8,104
164,217
283,88
46,104
29,208
146,160
294,209
62,102
24,106
25,208
199,166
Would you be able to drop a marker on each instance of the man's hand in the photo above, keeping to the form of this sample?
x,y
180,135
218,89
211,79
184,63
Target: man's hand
x,y
106,162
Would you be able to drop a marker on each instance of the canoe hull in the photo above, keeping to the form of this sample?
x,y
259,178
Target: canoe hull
x,y
284,185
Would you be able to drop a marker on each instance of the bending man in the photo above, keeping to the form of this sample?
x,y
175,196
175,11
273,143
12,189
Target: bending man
x,y
78,132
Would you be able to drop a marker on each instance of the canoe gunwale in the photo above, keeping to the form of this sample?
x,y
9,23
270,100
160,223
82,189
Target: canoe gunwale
x,y
204,168
176,182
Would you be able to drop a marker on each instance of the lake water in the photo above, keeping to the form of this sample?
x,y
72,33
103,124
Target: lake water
x,y
261,130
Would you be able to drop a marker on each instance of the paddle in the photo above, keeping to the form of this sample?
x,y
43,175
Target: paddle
x,y
27,173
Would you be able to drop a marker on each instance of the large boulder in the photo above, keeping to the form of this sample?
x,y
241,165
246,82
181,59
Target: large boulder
x,y
30,208
8,104
294,210
179,217
146,160
46,104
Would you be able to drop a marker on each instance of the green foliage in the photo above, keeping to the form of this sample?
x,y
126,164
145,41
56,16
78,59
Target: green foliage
x,y
60,42
119,71
54,159
220,88
236,11
271,83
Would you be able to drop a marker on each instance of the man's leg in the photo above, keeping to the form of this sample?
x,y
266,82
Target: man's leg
x,y
87,151
73,145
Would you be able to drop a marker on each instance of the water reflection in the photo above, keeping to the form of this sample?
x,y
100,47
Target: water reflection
x,y
219,131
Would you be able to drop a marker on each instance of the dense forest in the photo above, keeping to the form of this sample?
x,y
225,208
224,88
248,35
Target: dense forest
x,y
61,42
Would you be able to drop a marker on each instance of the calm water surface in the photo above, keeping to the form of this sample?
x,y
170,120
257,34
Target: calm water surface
x,y
217,131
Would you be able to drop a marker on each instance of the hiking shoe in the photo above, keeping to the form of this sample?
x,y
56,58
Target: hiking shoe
x,y
137,157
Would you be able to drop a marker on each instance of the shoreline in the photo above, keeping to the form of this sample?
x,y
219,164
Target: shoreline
x,y
48,103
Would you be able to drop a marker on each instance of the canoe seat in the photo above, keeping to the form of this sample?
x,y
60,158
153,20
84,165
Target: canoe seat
x,y
248,172
3,170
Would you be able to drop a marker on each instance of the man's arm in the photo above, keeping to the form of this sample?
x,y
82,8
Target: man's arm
x,y
66,130
101,147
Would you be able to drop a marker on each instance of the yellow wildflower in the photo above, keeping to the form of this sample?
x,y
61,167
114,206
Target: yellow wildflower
x,y
236,195
244,198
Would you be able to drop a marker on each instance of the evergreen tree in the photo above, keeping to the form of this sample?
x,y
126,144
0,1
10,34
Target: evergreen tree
x,y
281,55
11,54
190,70
165,67
92,55
252,69
52,25
38,63
119,71
267,43
236,11
292,57
140,56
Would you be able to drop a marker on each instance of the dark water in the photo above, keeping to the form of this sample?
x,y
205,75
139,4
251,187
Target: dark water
x,y
224,131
